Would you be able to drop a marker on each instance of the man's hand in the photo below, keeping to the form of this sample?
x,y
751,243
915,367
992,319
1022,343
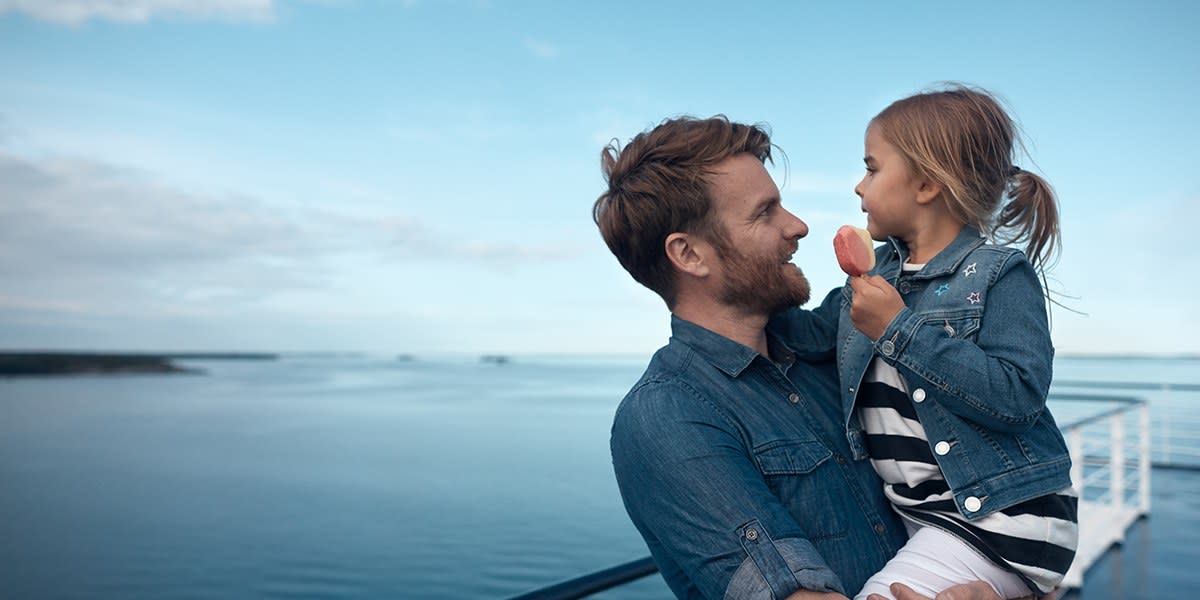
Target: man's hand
x,y
810,595
976,590
874,305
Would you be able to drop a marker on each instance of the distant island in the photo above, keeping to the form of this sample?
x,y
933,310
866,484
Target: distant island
x,y
83,363
495,359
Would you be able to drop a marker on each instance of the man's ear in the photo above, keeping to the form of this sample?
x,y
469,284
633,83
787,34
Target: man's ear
x,y
687,253
928,190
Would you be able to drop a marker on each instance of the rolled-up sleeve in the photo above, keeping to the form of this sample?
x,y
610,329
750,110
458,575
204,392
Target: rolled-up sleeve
x,y
692,488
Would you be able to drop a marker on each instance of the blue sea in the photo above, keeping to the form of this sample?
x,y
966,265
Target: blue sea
x,y
341,477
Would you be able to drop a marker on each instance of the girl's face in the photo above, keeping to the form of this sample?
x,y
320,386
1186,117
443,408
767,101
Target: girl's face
x,y
888,190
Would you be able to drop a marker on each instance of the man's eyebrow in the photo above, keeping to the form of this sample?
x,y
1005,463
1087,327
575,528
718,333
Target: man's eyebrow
x,y
765,202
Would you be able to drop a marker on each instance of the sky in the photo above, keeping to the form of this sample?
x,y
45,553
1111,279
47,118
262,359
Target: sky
x,y
417,176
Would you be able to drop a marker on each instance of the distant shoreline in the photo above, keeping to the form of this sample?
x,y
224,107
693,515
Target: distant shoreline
x,y
14,364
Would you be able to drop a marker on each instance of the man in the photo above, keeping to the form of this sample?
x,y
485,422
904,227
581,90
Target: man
x,y
729,452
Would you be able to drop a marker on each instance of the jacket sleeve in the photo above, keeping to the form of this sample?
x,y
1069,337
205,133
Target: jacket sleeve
x,y
691,487
999,381
812,330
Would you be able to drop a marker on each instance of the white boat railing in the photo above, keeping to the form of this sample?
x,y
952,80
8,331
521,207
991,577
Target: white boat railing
x,y
1174,418
1115,441
1110,469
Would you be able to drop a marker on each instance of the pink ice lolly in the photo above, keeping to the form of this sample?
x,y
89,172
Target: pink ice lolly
x,y
854,250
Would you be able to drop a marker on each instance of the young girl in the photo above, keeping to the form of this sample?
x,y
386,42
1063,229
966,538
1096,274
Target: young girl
x,y
944,350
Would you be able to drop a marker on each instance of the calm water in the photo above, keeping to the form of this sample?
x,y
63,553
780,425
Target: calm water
x,y
330,478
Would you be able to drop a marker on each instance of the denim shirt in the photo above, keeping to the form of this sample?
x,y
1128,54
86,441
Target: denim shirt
x,y
974,346
736,472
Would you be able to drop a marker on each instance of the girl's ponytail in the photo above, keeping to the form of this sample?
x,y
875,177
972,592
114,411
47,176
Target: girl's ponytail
x,y
1030,217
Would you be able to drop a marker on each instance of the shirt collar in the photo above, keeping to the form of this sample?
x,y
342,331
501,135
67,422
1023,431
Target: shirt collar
x,y
948,260
722,352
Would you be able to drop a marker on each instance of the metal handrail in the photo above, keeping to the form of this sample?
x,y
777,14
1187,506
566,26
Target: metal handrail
x,y
594,582
1175,440
1131,385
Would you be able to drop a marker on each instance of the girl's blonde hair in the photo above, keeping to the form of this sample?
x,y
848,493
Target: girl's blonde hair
x,y
961,137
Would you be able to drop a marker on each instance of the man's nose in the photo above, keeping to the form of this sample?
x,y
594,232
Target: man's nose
x,y
858,189
797,228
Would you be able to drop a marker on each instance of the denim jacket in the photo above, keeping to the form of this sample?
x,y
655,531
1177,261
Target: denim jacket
x,y
974,346
736,473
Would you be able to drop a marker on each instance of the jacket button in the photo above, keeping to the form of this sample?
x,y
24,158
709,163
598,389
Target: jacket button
x,y
919,395
887,347
972,504
943,448
751,534
904,287
794,398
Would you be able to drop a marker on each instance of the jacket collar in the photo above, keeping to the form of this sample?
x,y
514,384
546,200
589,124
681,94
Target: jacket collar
x,y
724,353
946,261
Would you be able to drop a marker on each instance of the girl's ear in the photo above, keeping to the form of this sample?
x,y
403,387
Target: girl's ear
x,y
928,190
687,254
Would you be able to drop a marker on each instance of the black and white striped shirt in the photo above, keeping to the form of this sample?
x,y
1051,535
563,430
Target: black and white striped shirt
x,y
1036,539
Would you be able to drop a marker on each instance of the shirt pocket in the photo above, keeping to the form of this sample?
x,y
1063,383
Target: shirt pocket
x,y
793,457
812,488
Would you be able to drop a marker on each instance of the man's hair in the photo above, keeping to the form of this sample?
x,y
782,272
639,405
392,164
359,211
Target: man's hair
x,y
659,184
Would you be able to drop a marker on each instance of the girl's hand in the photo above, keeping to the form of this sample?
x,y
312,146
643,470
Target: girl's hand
x,y
874,305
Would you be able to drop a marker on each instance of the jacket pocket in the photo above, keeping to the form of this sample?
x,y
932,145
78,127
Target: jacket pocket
x,y
958,324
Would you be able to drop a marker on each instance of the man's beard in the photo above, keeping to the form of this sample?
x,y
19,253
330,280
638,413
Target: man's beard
x,y
759,285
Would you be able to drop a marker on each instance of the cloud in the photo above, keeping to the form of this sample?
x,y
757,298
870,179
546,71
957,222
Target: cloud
x,y
79,235
77,12
541,49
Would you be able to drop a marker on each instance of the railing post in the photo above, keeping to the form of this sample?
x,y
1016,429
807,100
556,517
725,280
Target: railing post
x,y
1166,424
1116,476
1144,459
1075,447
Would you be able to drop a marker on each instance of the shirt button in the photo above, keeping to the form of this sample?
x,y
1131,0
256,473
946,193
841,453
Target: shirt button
x,y
904,287
794,398
942,448
919,395
972,504
887,347
752,534
879,528
841,460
